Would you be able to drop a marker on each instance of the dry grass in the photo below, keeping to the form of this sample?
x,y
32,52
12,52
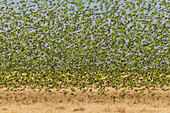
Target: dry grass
x,y
29,101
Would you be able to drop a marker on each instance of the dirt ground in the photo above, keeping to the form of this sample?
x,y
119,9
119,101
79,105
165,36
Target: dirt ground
x,y
29,101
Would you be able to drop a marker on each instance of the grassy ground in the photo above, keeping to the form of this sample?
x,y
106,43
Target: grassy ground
x,y
29,101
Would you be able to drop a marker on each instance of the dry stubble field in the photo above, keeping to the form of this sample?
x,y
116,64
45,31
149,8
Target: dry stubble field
x,y
29,101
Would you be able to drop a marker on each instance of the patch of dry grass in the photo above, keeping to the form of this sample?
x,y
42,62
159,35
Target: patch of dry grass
x,y
29,101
